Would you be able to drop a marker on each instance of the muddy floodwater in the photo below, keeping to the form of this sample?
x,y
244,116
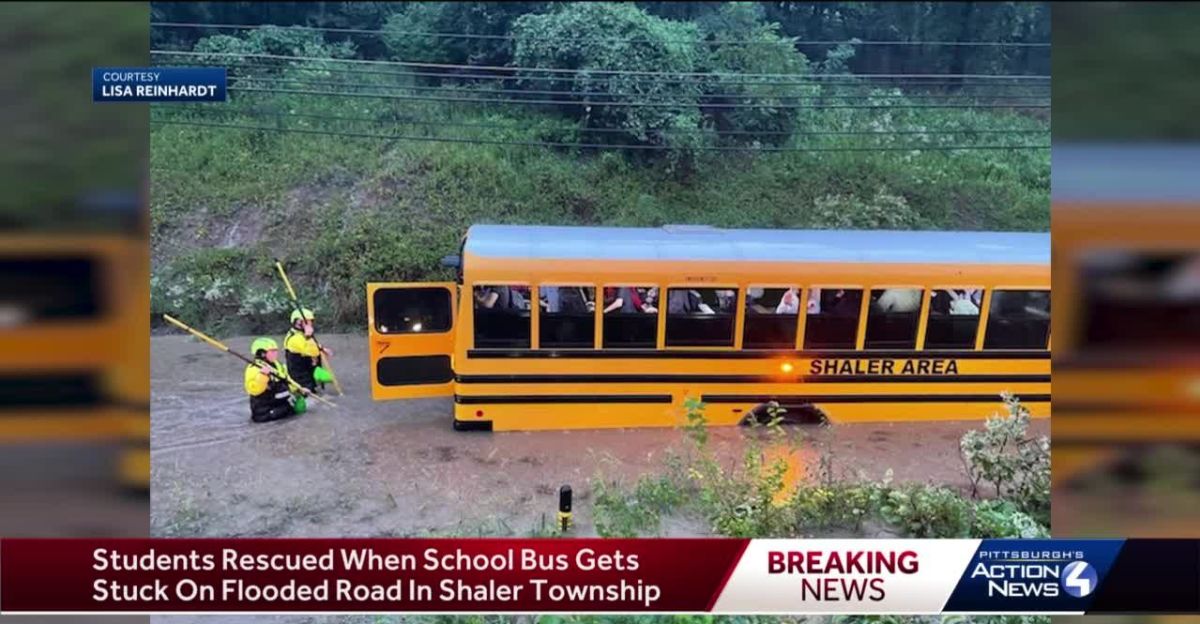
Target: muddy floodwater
x,y
397,468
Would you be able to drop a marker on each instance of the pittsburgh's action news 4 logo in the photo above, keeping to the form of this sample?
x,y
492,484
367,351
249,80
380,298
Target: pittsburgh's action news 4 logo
x,y
159,84
1079,579
1033,575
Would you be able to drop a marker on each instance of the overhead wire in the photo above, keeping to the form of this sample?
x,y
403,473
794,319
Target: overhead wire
x,y
705,148
637,104
559,75
303,82
266,114
485,36
799,79
564,70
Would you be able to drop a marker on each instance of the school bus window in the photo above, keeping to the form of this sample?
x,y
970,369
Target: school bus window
x,y
701,317
412,310
502,317
892,318
953,318
771,315
38,289
1139,299
832,321
630,317
568,317
1018,319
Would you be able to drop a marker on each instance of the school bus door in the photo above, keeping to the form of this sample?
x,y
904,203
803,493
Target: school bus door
x,y
412,339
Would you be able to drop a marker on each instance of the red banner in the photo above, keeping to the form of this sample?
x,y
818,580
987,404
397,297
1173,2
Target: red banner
x,y
364,575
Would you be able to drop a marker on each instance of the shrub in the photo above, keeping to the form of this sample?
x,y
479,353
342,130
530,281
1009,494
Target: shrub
x,y
838,505
215,290
593,38
620,514
742,501
1015,464
768,52
489,19
924,511
273,40
997,518
883,211
745,499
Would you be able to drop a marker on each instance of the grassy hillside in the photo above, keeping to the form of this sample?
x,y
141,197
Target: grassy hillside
x,y
342,211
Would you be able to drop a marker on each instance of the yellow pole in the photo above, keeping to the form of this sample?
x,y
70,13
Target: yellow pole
x,y
296,300
219,345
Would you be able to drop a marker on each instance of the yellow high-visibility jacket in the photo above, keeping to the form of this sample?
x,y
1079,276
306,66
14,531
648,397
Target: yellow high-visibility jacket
x,y
256,382
297,342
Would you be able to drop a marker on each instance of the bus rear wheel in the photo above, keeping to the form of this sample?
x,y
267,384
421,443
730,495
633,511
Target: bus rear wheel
x,y
805,414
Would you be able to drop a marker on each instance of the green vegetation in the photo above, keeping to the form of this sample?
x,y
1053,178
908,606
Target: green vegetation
x,y
1016,466
345,212
308,172
750,499
805,21
1124,71
59,147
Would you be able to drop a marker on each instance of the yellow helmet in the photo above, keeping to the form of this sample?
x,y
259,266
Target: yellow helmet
x,y
307,315
263,344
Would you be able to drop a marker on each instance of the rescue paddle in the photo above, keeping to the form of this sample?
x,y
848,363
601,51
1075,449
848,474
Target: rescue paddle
x,y
324,357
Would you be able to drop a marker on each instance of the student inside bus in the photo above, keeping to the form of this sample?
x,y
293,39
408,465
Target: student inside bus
x,y
754,301
898,300
789,303
627,300
566,300
687,301
502,297
650,300
779,301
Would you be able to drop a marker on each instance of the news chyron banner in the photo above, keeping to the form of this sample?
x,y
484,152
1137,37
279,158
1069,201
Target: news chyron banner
x,y
725,576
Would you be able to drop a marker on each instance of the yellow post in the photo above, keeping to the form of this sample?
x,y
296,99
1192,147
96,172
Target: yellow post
x,y
564,508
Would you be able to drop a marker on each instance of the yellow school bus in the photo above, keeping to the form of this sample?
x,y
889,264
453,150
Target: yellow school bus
x,y
74,323
590,327
1126,270
1127,273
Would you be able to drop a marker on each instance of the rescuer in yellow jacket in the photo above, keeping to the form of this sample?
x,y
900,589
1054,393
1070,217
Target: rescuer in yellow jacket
x,y
266,383
303,354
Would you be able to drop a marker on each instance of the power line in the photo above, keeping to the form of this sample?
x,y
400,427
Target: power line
x,y
307,83
803,79
563,70
446,35
394,96
261,114
443,139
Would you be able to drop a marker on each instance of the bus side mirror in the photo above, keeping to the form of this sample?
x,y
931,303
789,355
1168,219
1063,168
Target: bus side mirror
x,y
454,262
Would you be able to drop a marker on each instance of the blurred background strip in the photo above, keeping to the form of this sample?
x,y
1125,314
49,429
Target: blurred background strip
x,y
1126,268
74,276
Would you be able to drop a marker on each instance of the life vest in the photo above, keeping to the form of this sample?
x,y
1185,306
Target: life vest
x,y
302,357
275,394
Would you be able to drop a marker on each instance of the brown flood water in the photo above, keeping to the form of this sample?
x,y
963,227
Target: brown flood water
x,y
398,469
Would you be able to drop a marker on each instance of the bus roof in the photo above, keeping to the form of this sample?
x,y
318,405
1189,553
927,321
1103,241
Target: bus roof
x,y
692,242
1125,173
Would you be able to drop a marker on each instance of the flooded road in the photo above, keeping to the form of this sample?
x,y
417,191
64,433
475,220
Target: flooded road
x,y
398,468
